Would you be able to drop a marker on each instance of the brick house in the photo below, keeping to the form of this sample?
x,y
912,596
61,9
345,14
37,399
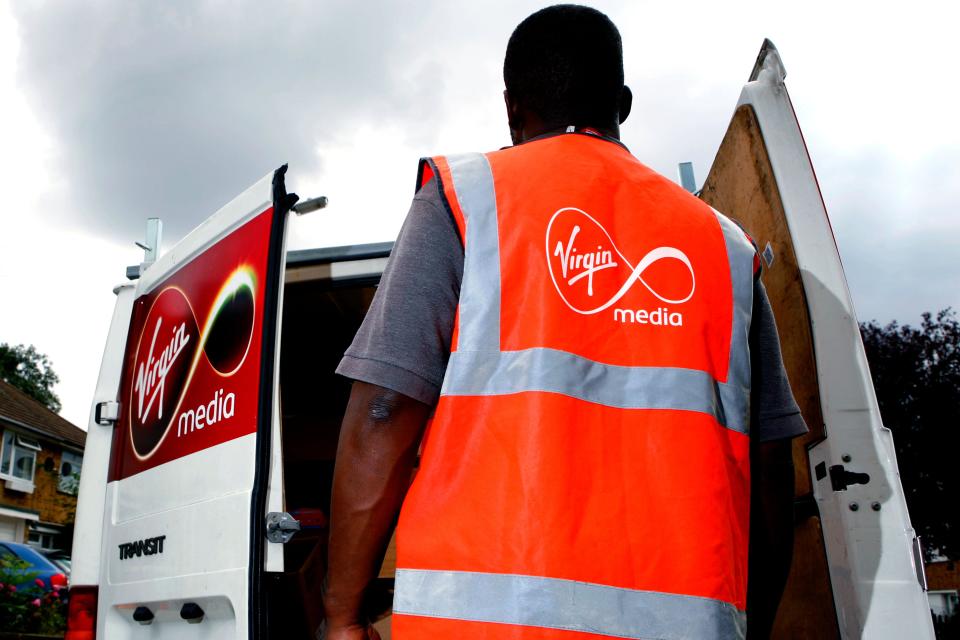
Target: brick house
x,y
943,583
40,459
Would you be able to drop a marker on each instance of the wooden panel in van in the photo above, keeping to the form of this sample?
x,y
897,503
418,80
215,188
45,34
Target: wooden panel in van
x,y
741,184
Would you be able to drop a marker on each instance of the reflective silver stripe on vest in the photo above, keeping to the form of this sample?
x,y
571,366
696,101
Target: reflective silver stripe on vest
x,y
735,393
555,371
479,313
565,604
478,367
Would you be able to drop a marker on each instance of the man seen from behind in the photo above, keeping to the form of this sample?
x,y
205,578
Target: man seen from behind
x,y
589,358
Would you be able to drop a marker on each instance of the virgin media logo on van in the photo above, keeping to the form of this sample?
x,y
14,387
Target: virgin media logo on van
x,y
164,359
591,274
152,374
174,355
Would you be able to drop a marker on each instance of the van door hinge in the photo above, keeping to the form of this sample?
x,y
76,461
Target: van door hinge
x,y
918,562
281,526
106,413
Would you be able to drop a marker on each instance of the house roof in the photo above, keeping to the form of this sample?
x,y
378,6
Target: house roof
x,y
20,410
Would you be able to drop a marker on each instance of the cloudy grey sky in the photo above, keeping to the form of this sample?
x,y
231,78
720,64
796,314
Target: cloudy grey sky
x,y
116,111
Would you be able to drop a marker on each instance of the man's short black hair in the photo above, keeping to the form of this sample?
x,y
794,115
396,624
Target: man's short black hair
x,y
565,63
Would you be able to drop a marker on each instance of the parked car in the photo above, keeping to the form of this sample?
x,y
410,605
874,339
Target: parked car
x,y
40,574
61,559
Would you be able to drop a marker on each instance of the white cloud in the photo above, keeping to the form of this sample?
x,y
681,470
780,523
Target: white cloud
x,y
55,283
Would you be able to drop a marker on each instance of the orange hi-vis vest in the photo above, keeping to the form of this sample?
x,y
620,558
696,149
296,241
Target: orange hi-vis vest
x,y
586,472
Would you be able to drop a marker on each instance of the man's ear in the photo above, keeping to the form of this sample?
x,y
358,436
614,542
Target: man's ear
x,y
514,117
626,103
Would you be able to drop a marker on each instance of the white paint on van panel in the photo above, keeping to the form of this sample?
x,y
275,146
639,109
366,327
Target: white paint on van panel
x,y
201,538
208,474
869,552
88,526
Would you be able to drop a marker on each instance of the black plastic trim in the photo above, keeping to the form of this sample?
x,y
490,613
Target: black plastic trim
x,y
282,202
192,612
325,255
143,615
340,283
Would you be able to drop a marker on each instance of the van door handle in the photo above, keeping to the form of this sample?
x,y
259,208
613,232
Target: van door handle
x,y
281,526
106,413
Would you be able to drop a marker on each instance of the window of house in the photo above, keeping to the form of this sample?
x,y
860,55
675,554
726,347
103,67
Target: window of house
x,y
19,457
45,535
39,539
70,465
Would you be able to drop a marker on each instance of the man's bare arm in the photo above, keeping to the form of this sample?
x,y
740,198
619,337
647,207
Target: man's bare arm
x,y
376,454
771,533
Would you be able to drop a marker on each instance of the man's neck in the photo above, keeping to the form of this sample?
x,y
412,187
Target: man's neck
x,y
603,134
531,133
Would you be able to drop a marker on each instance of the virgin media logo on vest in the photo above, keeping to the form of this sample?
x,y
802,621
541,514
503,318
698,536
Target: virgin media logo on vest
x,y
173,353
592,275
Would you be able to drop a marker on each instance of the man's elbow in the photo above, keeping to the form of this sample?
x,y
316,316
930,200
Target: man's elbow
x,y
380,417
382,406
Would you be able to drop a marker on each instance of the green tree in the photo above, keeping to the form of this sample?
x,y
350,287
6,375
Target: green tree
x,y
30,371
916,374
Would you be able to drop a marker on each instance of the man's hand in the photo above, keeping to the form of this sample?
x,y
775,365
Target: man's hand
x,y
352,632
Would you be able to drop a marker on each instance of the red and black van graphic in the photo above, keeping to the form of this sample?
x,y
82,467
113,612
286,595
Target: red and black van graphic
x,y
192,368
171,348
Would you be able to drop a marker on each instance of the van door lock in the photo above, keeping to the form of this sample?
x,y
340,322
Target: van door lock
x,y
840,478
281,526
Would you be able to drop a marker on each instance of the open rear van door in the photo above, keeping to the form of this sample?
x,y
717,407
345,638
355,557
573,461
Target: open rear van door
x,y
189,483
856,572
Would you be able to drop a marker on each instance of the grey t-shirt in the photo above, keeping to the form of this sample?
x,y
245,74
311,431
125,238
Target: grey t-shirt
x,y
404,342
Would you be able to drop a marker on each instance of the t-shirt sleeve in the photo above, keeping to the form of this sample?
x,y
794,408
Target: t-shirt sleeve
x,y
404,341
775,412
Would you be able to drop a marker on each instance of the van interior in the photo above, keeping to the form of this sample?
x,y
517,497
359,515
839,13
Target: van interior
x,y
325,301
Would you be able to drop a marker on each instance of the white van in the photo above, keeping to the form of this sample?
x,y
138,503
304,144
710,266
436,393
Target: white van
x,y
213,431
